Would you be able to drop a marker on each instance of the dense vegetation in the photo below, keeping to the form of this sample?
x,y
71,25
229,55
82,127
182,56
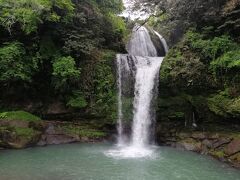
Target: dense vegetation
x,y
57,57
59,52
200,77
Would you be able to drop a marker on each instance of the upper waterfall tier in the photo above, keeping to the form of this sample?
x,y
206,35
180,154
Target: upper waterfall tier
x,y
141,44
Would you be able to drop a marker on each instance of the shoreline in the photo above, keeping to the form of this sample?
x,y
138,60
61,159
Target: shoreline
x,y
221,146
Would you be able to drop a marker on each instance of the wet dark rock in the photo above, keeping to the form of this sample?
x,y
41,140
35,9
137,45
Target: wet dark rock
x,y
207,143
233,147
53,135
157,43
221,142
22,134
57,139
199,135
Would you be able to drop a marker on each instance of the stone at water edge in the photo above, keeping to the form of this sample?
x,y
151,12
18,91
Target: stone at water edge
x,y
221,142
233,147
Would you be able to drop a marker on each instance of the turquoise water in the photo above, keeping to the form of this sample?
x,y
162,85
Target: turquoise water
x,y
89,162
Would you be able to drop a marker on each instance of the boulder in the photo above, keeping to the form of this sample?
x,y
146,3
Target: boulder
x,y
15,140
233,147
189,144
55,135
220,142
60,139
199,135
207,143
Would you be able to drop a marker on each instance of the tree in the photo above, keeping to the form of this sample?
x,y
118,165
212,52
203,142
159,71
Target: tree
x,y
28,14
15,64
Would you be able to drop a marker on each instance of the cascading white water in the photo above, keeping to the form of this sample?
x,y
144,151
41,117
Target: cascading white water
x,y
163,41
142,65
120,114
141,43
147,73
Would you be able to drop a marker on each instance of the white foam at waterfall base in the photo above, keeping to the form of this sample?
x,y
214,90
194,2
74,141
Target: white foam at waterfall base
x,y
131,152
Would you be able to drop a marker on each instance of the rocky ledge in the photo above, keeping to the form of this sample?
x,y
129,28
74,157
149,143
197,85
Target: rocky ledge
x,y
18,134
225,146
58,132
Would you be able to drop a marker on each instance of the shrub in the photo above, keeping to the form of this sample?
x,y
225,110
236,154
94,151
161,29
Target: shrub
x,y
228,61
209,49
224,105
15,65
77,100
64,72
30,13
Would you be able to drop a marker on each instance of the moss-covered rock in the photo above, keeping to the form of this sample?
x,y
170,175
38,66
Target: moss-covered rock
x,y
19,129
67,132
18,137
83,131
18,115
223,145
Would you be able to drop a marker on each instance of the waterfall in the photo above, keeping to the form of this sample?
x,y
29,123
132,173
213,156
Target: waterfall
x,y
141,43
120,114
163,41
146,76
138,74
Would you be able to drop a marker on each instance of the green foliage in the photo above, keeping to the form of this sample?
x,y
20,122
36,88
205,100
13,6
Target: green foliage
x,y
227,62
117,23
56,52
172,108
64,70
209,49
104,85
183,69
221,52
30,13
18,115
224,105
197,59
84,35
15,65
114,6
47,48
172,59
77,100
